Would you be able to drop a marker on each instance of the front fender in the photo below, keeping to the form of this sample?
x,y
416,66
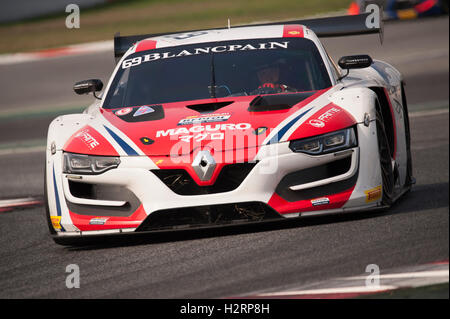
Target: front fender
x,y
358,101
63,127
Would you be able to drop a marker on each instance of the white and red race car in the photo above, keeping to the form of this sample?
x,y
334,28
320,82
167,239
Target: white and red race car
x,y
215,127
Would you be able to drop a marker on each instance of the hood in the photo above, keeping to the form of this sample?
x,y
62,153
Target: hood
x,y
224,124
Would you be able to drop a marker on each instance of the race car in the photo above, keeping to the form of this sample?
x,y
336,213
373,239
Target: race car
x,y
218,127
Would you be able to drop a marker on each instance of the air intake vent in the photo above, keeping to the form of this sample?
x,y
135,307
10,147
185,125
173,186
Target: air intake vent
x,y
313,174
275,102
207,216
208,107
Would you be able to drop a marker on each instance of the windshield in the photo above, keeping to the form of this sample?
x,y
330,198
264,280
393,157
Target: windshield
x,y
208,70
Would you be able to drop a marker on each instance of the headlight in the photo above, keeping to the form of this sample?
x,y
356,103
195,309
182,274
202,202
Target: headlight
x,y
327,143
87,164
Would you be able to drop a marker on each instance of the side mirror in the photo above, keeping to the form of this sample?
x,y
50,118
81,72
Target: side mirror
x,y
88,86
355,62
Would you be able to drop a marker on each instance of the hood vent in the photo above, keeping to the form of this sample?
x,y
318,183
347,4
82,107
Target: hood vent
x,y
263,103
208,107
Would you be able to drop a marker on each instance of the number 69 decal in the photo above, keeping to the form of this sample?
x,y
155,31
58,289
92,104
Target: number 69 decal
x,y
184,36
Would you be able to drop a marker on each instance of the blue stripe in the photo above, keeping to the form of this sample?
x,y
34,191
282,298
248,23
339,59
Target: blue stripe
x,y
277,137
127,148
58,205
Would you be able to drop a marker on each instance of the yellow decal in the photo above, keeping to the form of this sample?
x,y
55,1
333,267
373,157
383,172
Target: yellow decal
x,y
159,162
407,14
56,222
373,194
293,32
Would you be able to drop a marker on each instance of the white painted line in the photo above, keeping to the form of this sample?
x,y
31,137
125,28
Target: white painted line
x,y
341,290
419,274
343,287
17,202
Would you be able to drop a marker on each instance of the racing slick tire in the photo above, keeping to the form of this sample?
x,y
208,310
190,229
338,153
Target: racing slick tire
x,y
387,174
409,170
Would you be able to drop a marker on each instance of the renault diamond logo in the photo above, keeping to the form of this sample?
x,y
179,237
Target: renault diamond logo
x,y
204,165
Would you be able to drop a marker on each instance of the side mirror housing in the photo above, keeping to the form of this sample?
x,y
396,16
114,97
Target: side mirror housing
x,y
88,86
355,62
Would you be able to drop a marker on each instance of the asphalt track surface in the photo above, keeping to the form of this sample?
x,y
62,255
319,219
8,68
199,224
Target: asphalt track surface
x,y
231,261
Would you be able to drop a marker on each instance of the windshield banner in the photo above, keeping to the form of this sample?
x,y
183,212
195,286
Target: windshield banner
x,y
205,50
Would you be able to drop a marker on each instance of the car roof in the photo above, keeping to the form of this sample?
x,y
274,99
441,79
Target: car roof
x,y
225,34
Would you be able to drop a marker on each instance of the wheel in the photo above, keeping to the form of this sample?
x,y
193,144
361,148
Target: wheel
x,y
409,171
384,152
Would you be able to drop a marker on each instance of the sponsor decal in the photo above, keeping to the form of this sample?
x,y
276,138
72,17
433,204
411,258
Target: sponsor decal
x,y
87,138
98,221
203,136
159,162
320,201
294,32
56,221
205,118
203,50
142,113
260,130
324,118
317,123
373,194
124,111
200,132
146,141
143,110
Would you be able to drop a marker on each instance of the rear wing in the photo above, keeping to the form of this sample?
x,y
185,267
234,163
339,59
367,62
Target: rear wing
x,y
322,27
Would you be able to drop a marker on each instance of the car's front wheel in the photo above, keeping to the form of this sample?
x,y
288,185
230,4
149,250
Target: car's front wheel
x,y
384,152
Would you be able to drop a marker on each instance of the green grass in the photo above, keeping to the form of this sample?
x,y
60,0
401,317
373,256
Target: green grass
x,y
154,16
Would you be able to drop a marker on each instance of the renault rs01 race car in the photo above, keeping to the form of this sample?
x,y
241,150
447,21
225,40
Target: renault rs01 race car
x,y
215,127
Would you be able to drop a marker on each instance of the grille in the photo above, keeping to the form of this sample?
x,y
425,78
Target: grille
x,y
181,183
204,216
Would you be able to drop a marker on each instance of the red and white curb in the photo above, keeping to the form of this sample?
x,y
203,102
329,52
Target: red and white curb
x,y
7,205
77,49
350,287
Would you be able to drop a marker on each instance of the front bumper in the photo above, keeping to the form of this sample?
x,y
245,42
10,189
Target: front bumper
x,y
277,176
